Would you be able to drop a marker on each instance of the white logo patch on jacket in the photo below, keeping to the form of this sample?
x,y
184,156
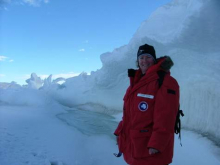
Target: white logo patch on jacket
x,y
143,106
145,96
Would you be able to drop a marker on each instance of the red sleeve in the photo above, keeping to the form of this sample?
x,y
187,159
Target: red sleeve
x,y
165,111
118,129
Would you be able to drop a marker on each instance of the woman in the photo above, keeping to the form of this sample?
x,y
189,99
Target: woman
x,y
146,133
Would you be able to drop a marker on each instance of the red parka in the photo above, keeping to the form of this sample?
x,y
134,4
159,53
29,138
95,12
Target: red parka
x,y
149,116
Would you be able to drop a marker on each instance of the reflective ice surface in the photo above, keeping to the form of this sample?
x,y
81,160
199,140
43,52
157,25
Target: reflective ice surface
x,y
89,123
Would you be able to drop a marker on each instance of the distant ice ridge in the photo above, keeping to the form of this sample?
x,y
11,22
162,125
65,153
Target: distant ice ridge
x,y
36,82
186,30
29,95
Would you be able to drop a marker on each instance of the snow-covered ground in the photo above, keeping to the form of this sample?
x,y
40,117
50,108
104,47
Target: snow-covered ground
x,y
36,136
55,135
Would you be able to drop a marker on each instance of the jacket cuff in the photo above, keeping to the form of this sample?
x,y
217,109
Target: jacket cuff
x,y
118,130
159,141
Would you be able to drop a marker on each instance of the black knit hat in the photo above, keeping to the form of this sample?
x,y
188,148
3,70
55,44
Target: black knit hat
x,y
146,49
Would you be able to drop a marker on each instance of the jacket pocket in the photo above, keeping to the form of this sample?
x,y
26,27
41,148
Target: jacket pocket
x,y
143,104
139,142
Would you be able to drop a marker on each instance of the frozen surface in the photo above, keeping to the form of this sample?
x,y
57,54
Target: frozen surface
x,y
89,123
35,136
38,136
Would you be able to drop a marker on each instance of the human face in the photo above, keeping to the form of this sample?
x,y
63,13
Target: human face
x,y
144,62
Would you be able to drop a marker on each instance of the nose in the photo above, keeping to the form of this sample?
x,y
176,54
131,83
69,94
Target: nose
x,y
146,59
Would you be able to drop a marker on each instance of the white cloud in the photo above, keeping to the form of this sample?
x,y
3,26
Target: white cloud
x,y
82,50
65,75
46,1
32,2
2,58
2,75
35,2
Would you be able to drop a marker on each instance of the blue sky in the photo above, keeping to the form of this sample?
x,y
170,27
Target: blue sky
x,y
64,38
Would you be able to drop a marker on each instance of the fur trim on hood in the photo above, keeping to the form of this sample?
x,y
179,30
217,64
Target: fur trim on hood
x,y
167,63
